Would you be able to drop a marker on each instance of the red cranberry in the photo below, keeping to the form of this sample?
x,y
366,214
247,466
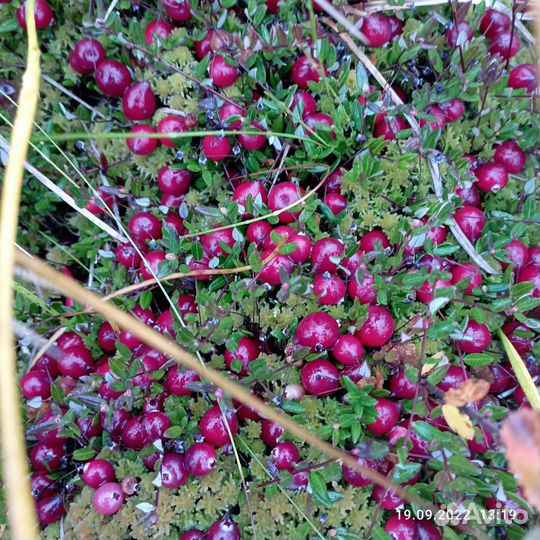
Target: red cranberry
x,y
173,181
112,78
142,146
436,112
320,378
47,457
213,428
348,350
50,510
315,120
43,15
68,340
400,527
229,111
530,274
326,254
253,143
386,499
216,148
355,478
517,253
86,55
378,329
178,10
107,337
75,362
459,35
303,248
97,472
257,232
175,223
304,71
305,103
108,499
333,182
201,459
247,351
157,31
172,201
376,30
43,486
480,338
49,365
145,226
171,124
178,381
89,427
127,256
502,379
271,433
454,378
506,44
193,534
389,412
273,6
524,76
204,47
402,387
453,110
133,435
151,266
426,292
492,177
364,290
467,272
427,530
481,444
470,196
329,288
212,242
390,127
534,255
36,384
224,529
116,422
397,27
154,425
283,195
285,455
336,202
253,189
373,241
317,331
511,156
174,473
222,73
520,336
139,102
494,22
471,221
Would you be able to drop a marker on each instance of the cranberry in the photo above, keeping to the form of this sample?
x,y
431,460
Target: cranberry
x,y
326,254
471,221
174,473
481,444
171,124
201,459
315,120
454,378
127,256
247,351
303,248
145,226
373,241
320,378
459,35
157,31
400,527
173,181
390,127
467,272
426,294
112,78
478,338
108,499
151,265
492,177
86,55
511,156
229,111
98,472
106,337
224,529
517,253
364,290
378,329
534,255
133,435
330,289
530,274
251,189
355,478
116,422
75,362
253,143
193,534
493,22
304,71
271,433
304,103
70,339
389,412
216,148
47,457
212,242
204,47
178,381
178,10
524,76
470,196
139,102
284,195
386,499
427,530
436,112
402,387
36,384
43,486
318,330
397,27
376,30
43,15
142,146
502,379
506,44
175,223
213,428
348,350
50,510
333,183
222,73
273,6
336,202
154,425
285,455
49,365
258,231
453,110
520,336
89,427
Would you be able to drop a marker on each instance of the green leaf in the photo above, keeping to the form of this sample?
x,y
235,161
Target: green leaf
x,y
403,472
318,487
478,360
83,454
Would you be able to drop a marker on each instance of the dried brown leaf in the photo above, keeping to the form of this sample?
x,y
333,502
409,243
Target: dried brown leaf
x,y
403,353
470,391
458,422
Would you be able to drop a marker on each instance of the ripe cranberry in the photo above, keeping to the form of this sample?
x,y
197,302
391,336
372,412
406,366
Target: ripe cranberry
x,y
36,384
326,254
197,266
505,44
178,381
154,425
213,429
480,338
315,120
108,499
481,443
492,177
530,274
70,339
501,377
224,529
247,351
271,433
304,71
348,350
158,31
171,124
48,365
378,329
178,10
333,182
204,47
386,499
511,156
89,427
400,527
517,253
460,34
397,27
303,248
174,473
330,289
43,486
133,435
320,378
355,478
454,378
139,102
336,202
201,459
116,422
524,76
253,143
283,195
75,362
494,22
43,15
389,412
142,146
426,292
106,337
520,336
112,78
402,387
193,534
229,111
427,530
453,110
216,148
211,242
390,127
150,266
373,241
305,103
317,331
97,472
470,196
364,290
376,30
253,189
222,73
173,181
47,457
175,223
534,255
127,256
471,221
436,112
50,510
145,226
467,272
86,55
285,455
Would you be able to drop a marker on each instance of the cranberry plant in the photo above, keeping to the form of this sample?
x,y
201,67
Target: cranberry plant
x,y
348,251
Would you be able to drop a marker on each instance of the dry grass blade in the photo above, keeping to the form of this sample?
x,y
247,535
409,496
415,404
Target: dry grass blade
x,y
115,316
20,504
